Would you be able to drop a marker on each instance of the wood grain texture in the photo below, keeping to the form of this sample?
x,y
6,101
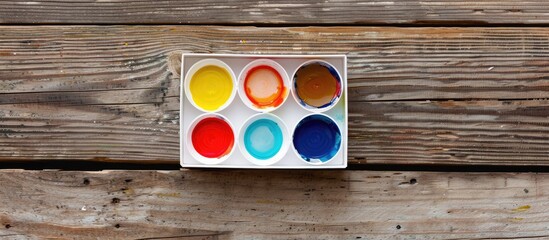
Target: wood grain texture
x,y
417,95
272,205
450,132
276,12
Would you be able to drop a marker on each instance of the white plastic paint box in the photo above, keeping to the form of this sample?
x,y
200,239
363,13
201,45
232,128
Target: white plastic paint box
x,y
263,111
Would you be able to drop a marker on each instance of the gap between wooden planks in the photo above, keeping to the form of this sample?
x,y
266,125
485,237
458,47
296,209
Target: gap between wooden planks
x,y
310,12
272,204
416,95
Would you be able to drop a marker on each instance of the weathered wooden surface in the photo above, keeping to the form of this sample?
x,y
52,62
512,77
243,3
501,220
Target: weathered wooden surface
x,y
417,95
312,12
450,132
273,205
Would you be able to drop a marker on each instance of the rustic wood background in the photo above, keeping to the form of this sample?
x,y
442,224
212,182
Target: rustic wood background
x,y
273,205
431,83
416,95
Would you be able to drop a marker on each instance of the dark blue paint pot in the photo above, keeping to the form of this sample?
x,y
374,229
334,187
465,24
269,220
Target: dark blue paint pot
x,y
317,138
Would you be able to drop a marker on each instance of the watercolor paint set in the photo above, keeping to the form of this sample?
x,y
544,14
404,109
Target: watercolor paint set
x,y
263,111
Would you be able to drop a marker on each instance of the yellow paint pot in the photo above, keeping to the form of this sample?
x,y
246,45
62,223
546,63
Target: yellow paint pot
x,y
210,85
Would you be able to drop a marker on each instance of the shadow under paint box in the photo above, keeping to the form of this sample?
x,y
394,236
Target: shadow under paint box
x,y
264,139
211,138
210,85
317,85
317,139
263,85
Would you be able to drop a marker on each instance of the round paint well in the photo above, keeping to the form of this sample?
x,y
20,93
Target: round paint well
x,y
317,138
210,85
263,85
264,139
316,85
211,138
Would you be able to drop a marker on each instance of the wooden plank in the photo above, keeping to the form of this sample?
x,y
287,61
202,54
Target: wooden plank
x,y
450,132
273,205
276,12
417,95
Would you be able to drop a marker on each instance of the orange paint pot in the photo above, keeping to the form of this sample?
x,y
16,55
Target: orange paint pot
x,y
263,85
316,85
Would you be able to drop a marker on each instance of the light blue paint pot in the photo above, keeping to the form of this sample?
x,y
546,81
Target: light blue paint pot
x,y
264,139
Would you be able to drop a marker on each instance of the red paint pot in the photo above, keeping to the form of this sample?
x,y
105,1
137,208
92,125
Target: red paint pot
x,y
211,138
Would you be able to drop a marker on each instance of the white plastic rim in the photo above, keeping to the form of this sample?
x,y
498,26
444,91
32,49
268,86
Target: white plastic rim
x,y
263,62
203,63
307,107
316,161
189,142
286,140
